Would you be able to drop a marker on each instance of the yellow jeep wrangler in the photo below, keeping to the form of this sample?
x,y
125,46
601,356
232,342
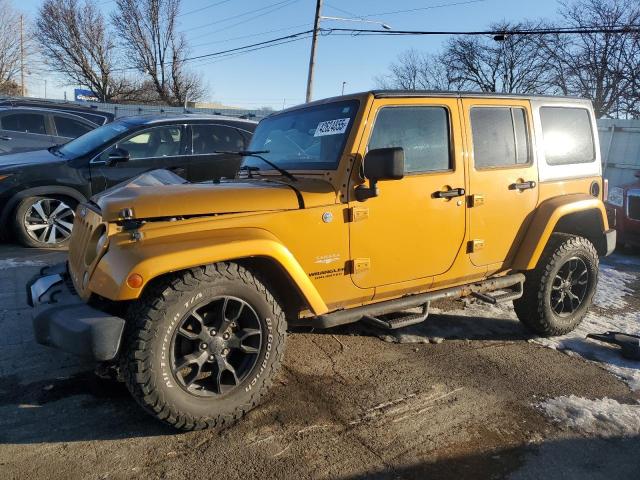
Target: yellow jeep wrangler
x,y
346,209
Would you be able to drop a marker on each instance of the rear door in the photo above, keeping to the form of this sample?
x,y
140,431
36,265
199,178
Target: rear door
x,y
21,131
503,177
68,127
209,138
149,149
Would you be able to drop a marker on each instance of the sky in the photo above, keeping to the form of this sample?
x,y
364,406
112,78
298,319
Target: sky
x,y
277,76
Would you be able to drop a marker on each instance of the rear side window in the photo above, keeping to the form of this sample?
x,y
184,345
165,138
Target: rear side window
x,y
500,137
422,132
69,127
211,138
24,122
568,136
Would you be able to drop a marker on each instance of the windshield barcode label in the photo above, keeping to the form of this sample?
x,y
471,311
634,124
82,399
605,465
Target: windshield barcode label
x,y
332,127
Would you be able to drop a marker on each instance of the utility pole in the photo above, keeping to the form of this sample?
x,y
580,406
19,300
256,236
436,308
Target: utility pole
x,y
312,58
343,84
22,55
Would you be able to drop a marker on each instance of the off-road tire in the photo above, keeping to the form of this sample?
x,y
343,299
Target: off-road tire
x,y
19,226
534,308
151,320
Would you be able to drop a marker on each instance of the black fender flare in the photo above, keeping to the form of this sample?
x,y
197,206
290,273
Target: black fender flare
x,y
38,191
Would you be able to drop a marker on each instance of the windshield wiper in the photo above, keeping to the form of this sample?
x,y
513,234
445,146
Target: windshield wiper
x,y
256,153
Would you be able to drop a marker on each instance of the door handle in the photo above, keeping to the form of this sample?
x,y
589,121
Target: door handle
x,y
2,137
522,185
454,192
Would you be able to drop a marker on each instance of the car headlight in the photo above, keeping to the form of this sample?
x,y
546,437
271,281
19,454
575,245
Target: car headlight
x,y
616,196
2,177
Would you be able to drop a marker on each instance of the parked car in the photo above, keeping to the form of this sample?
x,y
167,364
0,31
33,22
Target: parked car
x,y
356,207
39,190
23,129
88,112
623,206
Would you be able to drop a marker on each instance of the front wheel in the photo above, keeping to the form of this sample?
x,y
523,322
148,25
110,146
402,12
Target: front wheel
x,y
44,222
559,291
202,348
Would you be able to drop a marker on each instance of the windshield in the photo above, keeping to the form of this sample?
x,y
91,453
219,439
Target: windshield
x,y
93,139
310,138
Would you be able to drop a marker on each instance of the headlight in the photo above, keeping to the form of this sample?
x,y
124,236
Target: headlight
x,y
2,177
616,196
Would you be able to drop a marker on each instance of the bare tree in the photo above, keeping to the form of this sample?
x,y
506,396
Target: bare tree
x,y
75,41
604,67
475,63
9,48
156,49
418,71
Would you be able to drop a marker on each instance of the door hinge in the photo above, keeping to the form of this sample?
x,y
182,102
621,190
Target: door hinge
x,y
476,200
476,245
360,265
357,214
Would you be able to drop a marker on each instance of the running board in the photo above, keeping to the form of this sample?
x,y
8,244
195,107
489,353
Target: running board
x,y
502,297
398,321
351,315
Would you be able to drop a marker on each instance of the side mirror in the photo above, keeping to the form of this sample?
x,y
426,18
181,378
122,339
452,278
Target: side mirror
x,y
380,164
118,155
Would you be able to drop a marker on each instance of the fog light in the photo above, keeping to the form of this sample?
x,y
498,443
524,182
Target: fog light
x,y
134,280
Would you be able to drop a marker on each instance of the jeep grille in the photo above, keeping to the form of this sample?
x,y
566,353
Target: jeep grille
x,y
87,224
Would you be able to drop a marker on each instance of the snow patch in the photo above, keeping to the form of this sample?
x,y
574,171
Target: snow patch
x,y
15,263
612,287
605,417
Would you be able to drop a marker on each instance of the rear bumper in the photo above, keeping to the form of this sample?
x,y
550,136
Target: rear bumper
x,y
610,237
64,321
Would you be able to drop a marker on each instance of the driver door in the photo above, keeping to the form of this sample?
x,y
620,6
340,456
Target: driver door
x,y
149,149
410,231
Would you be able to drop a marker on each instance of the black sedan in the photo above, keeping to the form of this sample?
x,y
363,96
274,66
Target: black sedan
x,y
39,190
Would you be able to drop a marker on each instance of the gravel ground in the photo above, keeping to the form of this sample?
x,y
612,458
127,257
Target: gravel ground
x,y
346,405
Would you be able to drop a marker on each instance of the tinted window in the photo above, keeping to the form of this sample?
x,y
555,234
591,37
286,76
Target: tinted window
x,y
209,138
94,139
24,122
568,136
69,127
423,133
155,142
499,136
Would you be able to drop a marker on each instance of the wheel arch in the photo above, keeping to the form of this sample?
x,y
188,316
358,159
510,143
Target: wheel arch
x,y
255,249
578,214
61,190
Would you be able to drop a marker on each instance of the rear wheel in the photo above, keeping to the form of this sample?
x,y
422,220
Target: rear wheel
x,y
558,293
201,348
44,222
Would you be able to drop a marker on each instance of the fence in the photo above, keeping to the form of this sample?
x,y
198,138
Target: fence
x,y
126,110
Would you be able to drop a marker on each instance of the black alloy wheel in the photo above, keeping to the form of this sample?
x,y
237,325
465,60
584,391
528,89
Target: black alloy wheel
x,y
569,287
216,346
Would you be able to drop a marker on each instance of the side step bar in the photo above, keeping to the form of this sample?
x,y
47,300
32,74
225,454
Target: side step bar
x,y
398,321
342,317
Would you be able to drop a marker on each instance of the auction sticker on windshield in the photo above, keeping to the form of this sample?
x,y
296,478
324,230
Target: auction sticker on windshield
x,y
332,127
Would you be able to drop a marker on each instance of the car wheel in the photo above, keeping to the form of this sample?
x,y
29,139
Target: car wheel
x,y
202,347
45,222
559,291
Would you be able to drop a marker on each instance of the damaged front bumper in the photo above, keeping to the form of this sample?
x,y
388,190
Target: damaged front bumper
x,y
61,319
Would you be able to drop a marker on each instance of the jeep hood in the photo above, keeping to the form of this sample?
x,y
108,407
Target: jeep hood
x,y
160,193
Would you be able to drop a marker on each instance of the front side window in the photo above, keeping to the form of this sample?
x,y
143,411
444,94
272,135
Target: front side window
x,y
153,143
94,140
70,127
500,137
422,132
568,135
24,122
212,138
310,138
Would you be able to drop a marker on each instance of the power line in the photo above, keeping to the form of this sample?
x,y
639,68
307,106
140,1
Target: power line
x,y
250,35
411,10
203,8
